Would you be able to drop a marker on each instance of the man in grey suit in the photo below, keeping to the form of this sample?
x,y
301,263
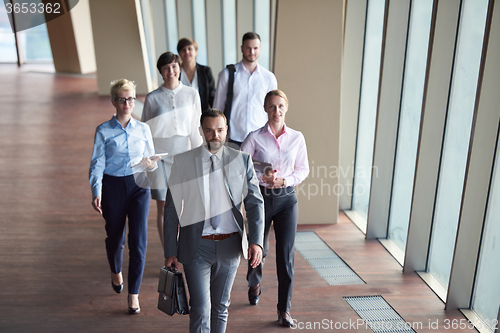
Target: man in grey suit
x,y
206,189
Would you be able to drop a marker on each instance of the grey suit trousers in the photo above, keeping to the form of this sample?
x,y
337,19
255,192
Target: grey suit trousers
x,y
210,278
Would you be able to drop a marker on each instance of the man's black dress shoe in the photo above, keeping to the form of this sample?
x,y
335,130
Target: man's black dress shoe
x,y
117,289
254,299
286,322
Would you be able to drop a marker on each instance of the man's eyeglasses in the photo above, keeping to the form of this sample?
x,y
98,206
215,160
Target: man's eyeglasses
x,y
122,100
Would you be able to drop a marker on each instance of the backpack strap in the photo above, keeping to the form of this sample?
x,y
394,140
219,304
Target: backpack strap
x,y
229,97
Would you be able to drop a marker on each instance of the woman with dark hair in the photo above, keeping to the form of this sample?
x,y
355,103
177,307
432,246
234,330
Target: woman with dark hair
x,y
172,112
123,151
195,75
285,149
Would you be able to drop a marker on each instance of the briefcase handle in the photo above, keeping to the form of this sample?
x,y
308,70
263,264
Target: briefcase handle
x,y
165,284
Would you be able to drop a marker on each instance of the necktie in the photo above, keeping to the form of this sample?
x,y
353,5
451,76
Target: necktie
x,y
215,200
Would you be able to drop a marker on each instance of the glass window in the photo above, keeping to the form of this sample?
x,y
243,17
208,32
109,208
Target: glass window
x,y
409,121
368,106
229,32
35,44
200,30
262,26
486,298
456,139
147,23
171,23
7,40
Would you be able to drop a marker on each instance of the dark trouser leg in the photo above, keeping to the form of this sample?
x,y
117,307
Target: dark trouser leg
x,y
114,213
254,275
137,211
285,227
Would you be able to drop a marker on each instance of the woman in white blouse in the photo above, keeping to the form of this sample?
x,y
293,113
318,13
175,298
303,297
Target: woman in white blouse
x,y
173,113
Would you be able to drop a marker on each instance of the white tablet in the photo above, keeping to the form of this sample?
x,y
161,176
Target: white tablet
x,y
156,155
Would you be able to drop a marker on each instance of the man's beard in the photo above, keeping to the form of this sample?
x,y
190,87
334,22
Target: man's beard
x,y
214,145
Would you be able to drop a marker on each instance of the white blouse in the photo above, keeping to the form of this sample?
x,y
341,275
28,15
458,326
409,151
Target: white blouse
x,y
185,80
174,118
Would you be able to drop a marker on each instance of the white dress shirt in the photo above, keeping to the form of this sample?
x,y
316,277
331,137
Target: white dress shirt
x,y
249,91
220,205
287,153
185,79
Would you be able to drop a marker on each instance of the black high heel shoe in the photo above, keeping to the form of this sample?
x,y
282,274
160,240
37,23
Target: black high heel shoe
x,y
117,289
132,310
284,321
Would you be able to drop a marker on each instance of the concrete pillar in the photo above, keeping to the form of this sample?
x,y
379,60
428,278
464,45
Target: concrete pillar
x,y
313,90
71,41
120,46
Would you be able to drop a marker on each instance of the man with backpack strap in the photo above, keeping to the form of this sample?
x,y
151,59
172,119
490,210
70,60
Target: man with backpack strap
x,y
243,101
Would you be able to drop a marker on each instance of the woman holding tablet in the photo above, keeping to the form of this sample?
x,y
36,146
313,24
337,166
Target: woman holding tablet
x,y
285,149
123,151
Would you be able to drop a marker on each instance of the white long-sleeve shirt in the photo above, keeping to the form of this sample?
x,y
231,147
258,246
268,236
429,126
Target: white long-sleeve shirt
x,y
174,119
249,91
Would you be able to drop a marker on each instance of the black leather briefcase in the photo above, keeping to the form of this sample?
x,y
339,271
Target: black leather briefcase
x,y
172,296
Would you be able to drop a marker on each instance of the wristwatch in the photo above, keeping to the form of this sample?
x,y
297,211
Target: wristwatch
x,y
284,182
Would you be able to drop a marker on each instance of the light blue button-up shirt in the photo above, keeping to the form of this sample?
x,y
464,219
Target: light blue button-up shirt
x,y
118,150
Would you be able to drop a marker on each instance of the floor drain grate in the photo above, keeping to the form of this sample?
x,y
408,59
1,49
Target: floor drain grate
x,y
324,260
378,315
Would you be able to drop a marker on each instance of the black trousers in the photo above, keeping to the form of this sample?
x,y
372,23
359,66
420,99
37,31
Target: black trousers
x,y
124,197
281,210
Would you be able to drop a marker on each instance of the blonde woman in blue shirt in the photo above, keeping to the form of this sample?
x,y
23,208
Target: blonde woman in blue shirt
x,y
123,151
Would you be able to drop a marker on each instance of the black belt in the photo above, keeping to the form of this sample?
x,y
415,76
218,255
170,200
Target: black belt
x,y
276,192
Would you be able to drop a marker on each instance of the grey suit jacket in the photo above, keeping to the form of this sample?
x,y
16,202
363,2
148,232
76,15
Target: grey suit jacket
x,y
185,202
